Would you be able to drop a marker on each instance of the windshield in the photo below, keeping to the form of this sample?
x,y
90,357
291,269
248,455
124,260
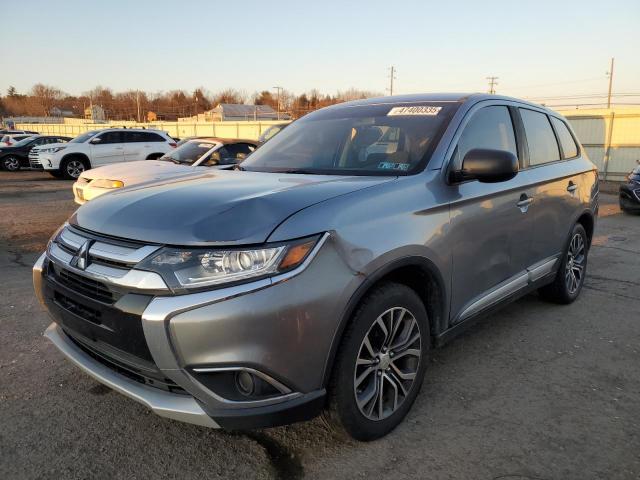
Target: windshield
x,y
84,137
14,139
359,140
23,142
188,152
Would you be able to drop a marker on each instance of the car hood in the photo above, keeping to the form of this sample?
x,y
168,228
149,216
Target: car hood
x,y
212,207
51,145
132,173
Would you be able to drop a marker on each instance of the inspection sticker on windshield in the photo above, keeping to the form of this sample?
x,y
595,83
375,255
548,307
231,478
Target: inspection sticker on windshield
x,y
393,166
417,110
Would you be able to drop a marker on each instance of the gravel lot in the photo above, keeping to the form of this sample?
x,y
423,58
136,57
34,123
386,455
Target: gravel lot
x,y
537,391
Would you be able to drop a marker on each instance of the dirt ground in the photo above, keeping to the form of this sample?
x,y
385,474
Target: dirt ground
x,y
537,391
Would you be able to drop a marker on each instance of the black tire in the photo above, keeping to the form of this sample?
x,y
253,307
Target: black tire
x,y
55,173
154,156
343,414
560,290
10,163
72,167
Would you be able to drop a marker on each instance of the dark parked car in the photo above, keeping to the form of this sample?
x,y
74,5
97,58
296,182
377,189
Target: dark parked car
x,y
318,277
630,192
16,156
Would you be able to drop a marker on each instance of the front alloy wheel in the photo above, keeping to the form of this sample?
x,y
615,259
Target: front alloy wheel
x,y
380,363
387,363
11,163
73,168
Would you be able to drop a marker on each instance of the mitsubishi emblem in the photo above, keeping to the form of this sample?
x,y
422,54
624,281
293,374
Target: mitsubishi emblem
x,y
81,260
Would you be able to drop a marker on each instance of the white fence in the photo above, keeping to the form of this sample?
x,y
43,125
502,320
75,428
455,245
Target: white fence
x,y
247,130
612,141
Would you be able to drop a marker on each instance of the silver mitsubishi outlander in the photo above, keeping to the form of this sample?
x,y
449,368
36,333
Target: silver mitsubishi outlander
x,y
317,277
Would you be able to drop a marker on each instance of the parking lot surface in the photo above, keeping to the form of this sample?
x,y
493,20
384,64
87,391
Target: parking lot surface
x,y
536,391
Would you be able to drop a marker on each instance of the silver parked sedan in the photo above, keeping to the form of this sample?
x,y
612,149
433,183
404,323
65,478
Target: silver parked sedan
x,y
318,276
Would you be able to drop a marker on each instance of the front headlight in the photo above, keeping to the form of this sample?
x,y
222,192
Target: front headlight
x,y
50,150
103,183
193,268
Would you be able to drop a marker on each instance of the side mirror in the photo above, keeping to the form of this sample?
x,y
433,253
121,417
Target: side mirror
x,y
95,140
487,166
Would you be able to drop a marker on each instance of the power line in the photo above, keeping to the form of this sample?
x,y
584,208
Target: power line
x,y
392,77
492,84
610,74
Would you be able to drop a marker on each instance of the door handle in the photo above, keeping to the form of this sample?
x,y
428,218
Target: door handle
x,y
524,202
572,187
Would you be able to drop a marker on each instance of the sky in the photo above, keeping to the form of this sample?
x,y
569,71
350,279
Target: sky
x,y
538,49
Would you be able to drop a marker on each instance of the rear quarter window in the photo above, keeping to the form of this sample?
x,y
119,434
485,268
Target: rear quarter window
x,y
543,147
569,147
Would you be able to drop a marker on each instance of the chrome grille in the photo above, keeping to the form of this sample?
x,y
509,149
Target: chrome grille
x,y
83,285
34,161
92,265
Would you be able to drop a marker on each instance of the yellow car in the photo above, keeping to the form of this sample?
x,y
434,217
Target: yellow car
x,y
189,158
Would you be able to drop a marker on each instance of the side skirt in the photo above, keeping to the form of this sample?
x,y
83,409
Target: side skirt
x,y
455,330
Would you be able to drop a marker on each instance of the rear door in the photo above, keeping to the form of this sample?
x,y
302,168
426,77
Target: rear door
x,y
551,152
139,145
490,222
110,149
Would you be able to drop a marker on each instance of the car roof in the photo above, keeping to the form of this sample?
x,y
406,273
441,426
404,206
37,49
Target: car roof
x,y
435,97
224,141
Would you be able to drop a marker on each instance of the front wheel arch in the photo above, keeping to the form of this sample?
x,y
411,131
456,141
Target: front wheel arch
x,y
407,271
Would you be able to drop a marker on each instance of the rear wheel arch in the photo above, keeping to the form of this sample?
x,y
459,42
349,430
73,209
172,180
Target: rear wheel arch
x,y
588,223
418,273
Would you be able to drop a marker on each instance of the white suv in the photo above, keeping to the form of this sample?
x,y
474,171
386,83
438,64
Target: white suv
x,y
100,147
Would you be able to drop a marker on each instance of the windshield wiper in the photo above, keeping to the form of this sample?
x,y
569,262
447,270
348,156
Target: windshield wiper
x,y
300,171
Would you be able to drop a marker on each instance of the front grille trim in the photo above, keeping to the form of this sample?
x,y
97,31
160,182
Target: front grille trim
x,y
132,367
110,262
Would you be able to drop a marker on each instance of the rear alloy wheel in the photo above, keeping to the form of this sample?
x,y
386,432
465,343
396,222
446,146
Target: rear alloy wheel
x,y
72,168
380,364
11,163
572,270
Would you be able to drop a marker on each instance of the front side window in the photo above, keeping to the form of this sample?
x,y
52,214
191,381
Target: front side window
x,y
377,139
110,137
490,128
84,137
543,147
569,147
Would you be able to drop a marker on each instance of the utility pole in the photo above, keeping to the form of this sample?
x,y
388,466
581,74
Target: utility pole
x,y
392,77
138,103
610,74
278,89
492,84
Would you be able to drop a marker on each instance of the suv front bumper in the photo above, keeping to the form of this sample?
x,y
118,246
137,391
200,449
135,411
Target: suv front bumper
x,y
283,328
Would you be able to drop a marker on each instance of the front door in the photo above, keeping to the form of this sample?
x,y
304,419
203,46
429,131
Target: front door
x,y
490,222
109,149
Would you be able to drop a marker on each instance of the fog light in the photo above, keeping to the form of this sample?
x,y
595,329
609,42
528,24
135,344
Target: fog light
x,y
245,383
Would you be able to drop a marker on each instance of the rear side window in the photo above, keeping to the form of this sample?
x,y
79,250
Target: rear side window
x,y
143,137
543,147
569,147
489,128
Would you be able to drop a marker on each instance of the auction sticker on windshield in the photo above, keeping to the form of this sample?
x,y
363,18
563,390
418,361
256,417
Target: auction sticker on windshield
x,y
416,110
